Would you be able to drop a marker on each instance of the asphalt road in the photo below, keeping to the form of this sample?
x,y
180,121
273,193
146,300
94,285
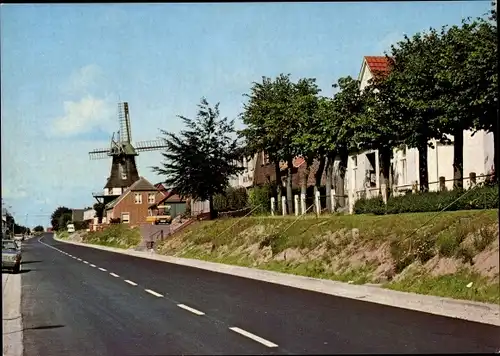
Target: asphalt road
x,y
82,301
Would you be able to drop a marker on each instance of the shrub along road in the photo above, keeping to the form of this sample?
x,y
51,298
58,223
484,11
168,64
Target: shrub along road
x,y
80,301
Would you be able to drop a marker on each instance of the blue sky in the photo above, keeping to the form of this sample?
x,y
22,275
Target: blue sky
x,y
65,67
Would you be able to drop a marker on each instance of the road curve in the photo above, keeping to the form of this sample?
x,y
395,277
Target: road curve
x,y
80,301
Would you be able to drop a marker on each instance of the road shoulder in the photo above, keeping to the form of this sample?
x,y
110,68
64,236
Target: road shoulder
x,y
467,310
12,318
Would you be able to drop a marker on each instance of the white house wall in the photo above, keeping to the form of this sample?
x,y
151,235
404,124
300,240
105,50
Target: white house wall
x,y
89,214
478,153
199,207
245,178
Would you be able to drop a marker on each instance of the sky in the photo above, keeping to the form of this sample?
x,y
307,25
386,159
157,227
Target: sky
x,y
64,68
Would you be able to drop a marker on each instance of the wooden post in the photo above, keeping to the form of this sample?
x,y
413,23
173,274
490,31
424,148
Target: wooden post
x,y
317,203
303,204
273,205
296,204
442,184
283,205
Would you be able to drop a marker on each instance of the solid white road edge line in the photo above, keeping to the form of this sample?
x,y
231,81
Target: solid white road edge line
x,y
102,269
253,337
192,310
130,282
153,293
114,274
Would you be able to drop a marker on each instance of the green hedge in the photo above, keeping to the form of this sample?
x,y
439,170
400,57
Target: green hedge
x,y
233,199
479,198
260,199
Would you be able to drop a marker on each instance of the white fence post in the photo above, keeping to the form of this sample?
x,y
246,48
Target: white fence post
x,y
283,205
273,202
296,204
303,203
332,199
317,203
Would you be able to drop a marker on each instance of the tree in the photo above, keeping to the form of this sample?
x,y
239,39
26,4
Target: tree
x,y
305,106
258,138
57,217
479,95
466,82
99,211
201,159
341,123
413,73
272,115
382,124
38,228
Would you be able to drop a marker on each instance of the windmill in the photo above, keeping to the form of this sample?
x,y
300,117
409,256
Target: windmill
x,y
123,166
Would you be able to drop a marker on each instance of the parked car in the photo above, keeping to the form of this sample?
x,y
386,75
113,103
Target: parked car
x,y
11,256
71,228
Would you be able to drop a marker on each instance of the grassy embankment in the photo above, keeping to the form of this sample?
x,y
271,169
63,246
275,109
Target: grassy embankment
x,y
441,258
402,252
115,236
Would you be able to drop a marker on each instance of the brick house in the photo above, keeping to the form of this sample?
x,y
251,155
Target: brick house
x,y
132,206
265,172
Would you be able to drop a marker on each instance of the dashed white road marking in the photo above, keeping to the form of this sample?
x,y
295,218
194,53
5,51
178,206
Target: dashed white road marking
x,y
91,265
114,274
253,337
192,310
79,259
153,293
130,282
102,269
85,262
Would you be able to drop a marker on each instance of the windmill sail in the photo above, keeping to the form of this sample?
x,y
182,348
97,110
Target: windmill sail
x,y
151,145
124,119
99,153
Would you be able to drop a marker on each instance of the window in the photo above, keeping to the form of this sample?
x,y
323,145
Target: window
x,y
151,198
265,158
125,217
138,198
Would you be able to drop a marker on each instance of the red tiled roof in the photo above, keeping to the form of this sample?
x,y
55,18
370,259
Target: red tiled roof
x,y
378,64
297,162
161,187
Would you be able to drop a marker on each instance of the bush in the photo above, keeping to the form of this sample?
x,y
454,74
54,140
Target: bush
x,y
370,206
233,199
81,225
260,199
116,235
485,197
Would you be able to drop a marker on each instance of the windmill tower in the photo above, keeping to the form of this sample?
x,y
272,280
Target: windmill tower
x,y
123,166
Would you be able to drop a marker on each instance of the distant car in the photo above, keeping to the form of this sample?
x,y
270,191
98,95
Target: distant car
x,y
11,256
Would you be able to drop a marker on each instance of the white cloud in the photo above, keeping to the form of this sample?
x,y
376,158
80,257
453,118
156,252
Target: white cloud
x,y
14,194
85,115
82,79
